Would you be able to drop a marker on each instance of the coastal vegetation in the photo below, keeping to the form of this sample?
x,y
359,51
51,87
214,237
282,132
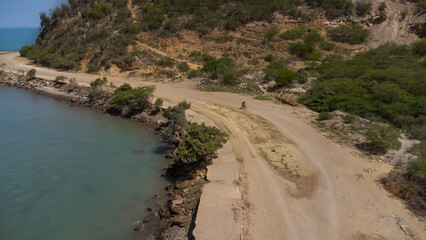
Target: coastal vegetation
x,y
382,84
200,142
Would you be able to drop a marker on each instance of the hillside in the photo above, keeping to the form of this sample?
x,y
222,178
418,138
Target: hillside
x,y
168,38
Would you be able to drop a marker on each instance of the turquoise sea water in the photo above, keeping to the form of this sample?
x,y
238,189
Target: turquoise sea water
x,y
73,173
12,39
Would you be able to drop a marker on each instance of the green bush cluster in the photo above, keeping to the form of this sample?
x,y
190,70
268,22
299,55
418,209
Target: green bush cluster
x,y
325,116
382,138
100,10
177,122
166,62
308,48
363,8
387,83
271,33
200,142
223,69
333,8
352,34
279,73
127,100
183,67
295,33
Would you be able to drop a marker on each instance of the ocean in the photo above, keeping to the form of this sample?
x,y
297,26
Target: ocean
x,y
73,173
13,39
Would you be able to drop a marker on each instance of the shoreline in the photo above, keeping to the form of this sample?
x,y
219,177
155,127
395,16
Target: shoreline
x,y
171,218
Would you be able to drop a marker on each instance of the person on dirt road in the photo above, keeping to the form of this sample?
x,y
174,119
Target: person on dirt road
x,y
243,105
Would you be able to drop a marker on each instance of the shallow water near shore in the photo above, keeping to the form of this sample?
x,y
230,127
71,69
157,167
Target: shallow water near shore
x,y
73,173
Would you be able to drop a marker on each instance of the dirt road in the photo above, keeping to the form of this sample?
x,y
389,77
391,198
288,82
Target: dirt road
x,y
330,197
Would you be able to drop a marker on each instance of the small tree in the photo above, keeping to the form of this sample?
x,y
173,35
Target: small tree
x,y
352,34
363,8
382,137
128,100
158,103
200,142
183,67
177,124
31,74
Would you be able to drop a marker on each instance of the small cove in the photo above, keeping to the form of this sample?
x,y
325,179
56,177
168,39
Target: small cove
x,y
73,173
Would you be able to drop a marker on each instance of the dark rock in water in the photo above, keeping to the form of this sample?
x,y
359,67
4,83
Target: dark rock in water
x,y
156,196
164,214
138,227
178,221
149,209
150,217
139,151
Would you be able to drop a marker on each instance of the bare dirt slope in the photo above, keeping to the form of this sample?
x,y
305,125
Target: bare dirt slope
x,y
333,197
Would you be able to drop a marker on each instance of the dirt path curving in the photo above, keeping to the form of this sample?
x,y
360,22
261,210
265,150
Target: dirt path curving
x,y
327,194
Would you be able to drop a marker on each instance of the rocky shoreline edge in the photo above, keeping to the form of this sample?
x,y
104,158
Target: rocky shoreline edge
x,y
173,218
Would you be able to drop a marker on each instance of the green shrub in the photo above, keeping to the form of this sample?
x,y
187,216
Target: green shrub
x,y
123,15
31,74
295,33
129,60
177,123
184,105
100,10
419,47
325,116
171,26
304,51
158,103
333,8
419,150
279,73
382,137
230,79
166,62
93,68
327,46
349,118
363,8
352,34
25,50
99,82
421,4
98,91
59,80
271,33
200,142
130,29
128,100
219,68
307,49
286,76
183,67
269,58
193,73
